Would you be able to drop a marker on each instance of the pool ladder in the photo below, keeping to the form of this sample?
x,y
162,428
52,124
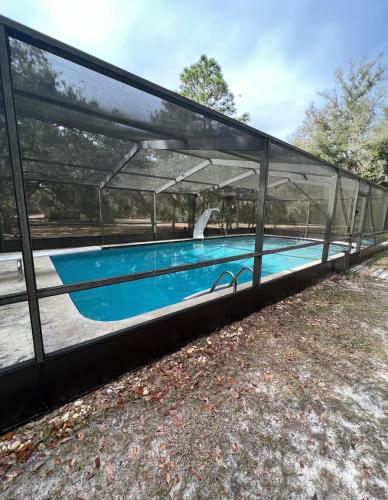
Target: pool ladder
x,y
233,282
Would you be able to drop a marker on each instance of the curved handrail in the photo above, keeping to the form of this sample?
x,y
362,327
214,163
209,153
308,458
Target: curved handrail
x,y
224,273
246,268
234,282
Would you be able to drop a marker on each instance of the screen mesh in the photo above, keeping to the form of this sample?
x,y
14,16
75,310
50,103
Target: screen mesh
x,y
298,194
10,244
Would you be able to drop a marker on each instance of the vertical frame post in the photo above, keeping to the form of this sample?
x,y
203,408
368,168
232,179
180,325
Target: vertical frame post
x,y
193,204
363,221
101,216
2,240
17,174
194,210
260,212
329,217
384,213
306,233
153,216
350,228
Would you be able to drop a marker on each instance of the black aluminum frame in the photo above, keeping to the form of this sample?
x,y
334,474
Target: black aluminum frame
x,y
102,359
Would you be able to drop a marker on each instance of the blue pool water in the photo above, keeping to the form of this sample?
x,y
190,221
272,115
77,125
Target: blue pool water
x,y
124,300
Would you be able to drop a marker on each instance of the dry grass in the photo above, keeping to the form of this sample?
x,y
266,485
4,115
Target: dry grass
x,y
288,403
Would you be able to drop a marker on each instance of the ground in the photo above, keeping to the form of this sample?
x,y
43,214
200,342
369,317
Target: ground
x,y
287,403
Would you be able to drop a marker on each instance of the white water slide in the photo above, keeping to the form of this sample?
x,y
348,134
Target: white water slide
x,y
201,223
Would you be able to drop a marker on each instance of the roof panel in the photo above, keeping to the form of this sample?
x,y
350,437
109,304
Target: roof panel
x,y
43,77
215,174
136,182
65,174
162,163
187,187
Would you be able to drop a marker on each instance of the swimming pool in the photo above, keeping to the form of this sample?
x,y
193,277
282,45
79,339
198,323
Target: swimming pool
x,y
125,300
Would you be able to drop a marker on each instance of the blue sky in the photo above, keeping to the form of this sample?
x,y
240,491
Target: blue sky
x,y
275,54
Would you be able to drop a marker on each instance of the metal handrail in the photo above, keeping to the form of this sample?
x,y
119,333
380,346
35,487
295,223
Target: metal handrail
x,y
234,281
246,268
224,273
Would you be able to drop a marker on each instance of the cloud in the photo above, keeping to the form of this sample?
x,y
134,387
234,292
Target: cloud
x,y
92,25
274,89
274,54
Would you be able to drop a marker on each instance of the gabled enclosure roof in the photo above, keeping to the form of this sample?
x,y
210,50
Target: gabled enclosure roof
x,y
99,125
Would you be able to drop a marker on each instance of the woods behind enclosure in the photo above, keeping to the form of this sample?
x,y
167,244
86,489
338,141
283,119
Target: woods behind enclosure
x,y
350,128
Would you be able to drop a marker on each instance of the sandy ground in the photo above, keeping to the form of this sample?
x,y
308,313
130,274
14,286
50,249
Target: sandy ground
x,y
291,402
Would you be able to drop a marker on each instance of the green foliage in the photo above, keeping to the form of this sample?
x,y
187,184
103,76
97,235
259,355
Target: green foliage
x,y
204,83
350,128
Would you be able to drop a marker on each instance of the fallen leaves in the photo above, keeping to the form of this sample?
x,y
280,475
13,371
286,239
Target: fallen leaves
x,y
38,465
213,374
25,451
235,447
109,472
216,456
68,465
80,436
133,452
210,407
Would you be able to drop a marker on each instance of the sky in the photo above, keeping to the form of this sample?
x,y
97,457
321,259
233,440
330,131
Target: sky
x,y
275,54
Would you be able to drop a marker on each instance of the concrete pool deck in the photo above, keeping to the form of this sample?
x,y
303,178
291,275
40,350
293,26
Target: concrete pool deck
x,y
62,323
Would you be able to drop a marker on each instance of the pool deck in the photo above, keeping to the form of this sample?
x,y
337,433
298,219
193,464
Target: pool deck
x,y
62,324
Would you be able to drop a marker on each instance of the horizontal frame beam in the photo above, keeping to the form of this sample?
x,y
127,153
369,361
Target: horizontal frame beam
x,y
236,178
184,176
134,124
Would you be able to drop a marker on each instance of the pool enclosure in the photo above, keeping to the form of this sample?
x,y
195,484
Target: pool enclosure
x,y
97,163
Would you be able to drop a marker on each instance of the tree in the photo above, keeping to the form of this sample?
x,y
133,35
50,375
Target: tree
x,y
204,82
350,128
52,146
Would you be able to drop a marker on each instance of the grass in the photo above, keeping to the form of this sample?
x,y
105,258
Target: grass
x,y
289,402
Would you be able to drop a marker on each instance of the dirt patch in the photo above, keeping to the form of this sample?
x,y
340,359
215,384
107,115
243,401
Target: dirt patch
x,y
380,260
290,402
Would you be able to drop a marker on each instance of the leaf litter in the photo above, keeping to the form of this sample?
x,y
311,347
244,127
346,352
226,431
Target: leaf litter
x,y
290,401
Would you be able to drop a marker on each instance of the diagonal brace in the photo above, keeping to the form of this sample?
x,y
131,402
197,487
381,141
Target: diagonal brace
x,y
131,153
181,177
